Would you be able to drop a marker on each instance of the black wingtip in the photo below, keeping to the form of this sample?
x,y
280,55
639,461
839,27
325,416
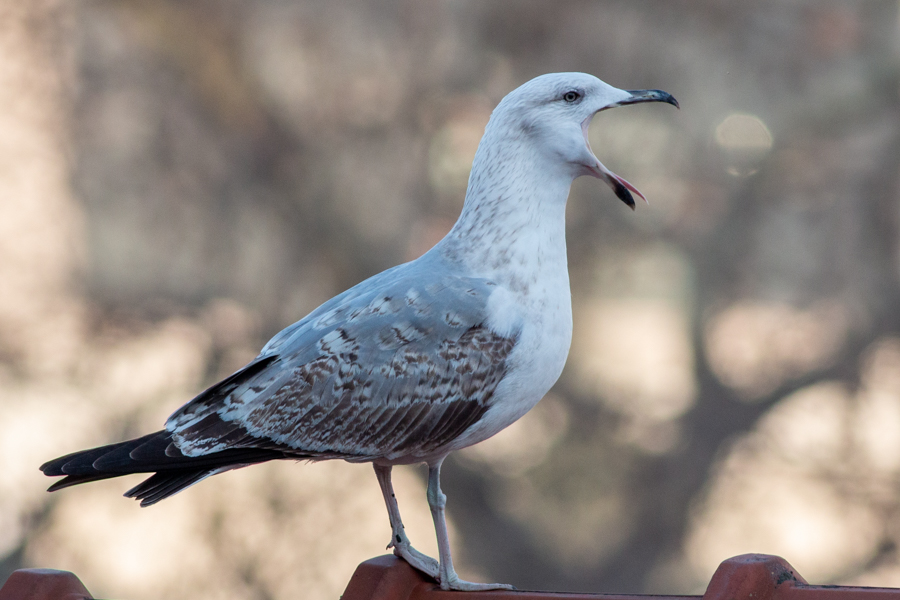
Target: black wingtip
x,y
61,484
54,468
71,480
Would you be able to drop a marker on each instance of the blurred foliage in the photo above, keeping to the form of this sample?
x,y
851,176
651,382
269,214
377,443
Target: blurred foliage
x,y
184,178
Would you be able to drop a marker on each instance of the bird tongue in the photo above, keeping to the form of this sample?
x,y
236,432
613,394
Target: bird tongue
x,y
618,184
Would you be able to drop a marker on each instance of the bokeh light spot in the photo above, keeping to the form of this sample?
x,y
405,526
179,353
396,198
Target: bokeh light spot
x,y
740,131
745,140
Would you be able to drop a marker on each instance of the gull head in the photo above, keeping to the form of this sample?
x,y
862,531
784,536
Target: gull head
x,y
550,115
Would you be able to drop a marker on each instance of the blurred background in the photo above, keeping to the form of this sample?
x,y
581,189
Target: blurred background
x,y
181,179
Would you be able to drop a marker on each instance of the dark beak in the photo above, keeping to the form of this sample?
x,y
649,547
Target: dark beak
x,y
621,187
648,96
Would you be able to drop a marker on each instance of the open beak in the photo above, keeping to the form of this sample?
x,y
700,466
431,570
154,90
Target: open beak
x,y
619,185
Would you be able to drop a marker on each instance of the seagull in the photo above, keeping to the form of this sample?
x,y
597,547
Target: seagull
x,y
425,358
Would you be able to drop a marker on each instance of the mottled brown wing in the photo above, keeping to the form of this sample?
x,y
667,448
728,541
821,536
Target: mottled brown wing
x,y
400,371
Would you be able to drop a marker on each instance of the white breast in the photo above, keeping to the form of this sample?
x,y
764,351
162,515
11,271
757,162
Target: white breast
x,y
544,315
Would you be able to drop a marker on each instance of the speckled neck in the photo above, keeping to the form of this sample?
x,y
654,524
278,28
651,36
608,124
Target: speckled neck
x,y
513,220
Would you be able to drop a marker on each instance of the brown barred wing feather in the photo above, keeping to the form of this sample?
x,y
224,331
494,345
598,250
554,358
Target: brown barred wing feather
x,y
399,371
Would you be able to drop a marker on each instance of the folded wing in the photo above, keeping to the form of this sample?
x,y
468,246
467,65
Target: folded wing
x,y
399,370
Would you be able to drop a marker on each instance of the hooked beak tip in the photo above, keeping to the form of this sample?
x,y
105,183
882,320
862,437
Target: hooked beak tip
x,y
638,96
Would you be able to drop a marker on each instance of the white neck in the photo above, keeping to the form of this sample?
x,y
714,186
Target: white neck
x,y
513,217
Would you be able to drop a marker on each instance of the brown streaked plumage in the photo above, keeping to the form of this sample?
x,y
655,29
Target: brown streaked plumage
x,y
422,359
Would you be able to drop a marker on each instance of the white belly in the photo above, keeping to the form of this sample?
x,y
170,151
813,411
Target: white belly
x,y
535,363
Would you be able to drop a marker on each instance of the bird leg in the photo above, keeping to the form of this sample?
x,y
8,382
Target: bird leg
x,y
399,541
437,501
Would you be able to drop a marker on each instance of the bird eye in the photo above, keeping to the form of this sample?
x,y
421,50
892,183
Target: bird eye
x,y
571,96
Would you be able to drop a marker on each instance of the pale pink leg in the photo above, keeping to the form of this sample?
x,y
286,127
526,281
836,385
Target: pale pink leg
x,y
399,541
448,577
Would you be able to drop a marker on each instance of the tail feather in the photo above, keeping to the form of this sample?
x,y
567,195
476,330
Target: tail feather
x,y
162,485
153,453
